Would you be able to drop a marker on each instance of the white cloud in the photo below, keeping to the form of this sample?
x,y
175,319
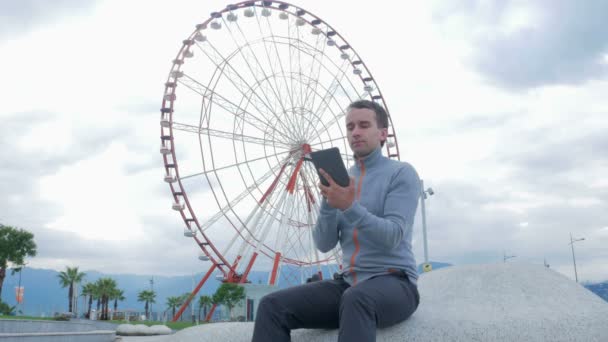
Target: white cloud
x,y
96,197
500,161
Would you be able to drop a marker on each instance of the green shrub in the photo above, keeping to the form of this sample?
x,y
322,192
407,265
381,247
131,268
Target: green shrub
x,y
62,316
5,309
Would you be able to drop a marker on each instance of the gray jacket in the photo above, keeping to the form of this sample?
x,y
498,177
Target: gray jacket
x,y
375,233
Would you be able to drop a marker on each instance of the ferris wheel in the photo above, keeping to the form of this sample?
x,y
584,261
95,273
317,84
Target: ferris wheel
x,y
253,90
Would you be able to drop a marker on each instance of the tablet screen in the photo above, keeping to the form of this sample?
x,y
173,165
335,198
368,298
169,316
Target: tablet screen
x,y
331,161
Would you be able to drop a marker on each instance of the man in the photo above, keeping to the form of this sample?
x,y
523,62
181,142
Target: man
x,y
372,219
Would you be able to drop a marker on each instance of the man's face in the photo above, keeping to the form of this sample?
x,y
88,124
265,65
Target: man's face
x,y
363,133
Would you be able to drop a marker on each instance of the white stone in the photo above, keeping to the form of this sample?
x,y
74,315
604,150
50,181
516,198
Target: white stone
x,y
141,329
125,330
160,330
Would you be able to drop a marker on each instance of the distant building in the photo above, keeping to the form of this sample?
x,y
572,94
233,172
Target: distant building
x,y
246,309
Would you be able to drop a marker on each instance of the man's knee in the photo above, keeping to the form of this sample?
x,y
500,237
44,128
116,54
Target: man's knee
x,y
354,297
267,305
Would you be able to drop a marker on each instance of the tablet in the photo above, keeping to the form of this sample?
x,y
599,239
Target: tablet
x,y
331,161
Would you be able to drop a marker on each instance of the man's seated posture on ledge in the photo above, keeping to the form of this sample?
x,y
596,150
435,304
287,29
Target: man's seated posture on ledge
x,y
372,219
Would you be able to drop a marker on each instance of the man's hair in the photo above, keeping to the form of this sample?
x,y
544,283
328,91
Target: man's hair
x,y
381,115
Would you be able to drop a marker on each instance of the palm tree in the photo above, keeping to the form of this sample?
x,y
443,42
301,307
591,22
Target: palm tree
x,y
107,287
203,303
118,295
97,295
174,302
147,296
89,290
68,278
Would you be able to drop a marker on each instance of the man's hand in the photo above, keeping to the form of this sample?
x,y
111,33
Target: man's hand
x,y
338,197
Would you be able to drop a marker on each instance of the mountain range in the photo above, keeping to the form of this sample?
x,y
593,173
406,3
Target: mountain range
x,y
44,296
600,289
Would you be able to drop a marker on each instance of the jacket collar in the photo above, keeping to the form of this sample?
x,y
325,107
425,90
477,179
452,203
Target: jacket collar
x,y
371,159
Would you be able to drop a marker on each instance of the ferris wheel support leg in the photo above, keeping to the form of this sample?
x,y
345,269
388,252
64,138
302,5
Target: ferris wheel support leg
x,y
275,268
210,314
232,272
249,266
198,287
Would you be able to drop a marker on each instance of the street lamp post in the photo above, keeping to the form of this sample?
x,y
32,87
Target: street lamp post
x,y
430,192
19,291
152,290
572,241
192,301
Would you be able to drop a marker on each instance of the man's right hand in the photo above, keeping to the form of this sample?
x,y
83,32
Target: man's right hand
x,y
338,197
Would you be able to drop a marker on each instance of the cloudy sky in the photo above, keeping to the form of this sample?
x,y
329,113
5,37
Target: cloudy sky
x,y
501,107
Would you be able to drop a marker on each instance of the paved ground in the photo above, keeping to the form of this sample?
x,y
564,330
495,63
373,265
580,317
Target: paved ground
x,y
140,338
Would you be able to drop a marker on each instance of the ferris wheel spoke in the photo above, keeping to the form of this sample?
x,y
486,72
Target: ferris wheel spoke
x,y
303,243
322,66
309,174
310,74
260,69
338,82
245,162
327,141
229,106
290,50
326,128
222,63
301,230
256,214
255,96
271,65
239,198
301,83
228,135
316,121
276,89
267,228
311,245
330,94
297,89
260,221
288,88
235,110
288,117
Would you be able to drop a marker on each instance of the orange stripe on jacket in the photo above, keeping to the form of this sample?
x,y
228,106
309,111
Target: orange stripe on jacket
x,y
355,232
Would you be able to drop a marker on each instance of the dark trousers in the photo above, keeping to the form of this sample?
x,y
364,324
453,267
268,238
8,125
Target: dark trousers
x,y
381,301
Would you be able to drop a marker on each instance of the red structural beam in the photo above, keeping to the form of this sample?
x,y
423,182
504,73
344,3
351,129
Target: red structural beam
x,y
198,287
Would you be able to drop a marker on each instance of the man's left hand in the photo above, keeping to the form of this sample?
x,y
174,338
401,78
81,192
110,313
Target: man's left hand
x,y
338,197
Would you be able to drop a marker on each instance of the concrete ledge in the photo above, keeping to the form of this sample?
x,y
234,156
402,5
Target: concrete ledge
x,y
96,324
88,336
34,326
